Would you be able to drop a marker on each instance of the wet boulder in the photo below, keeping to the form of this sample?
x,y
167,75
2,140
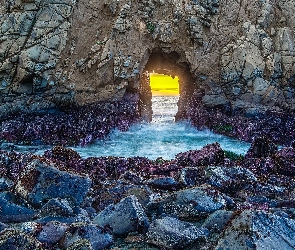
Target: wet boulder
x,y
15,239
211,154
113,191
40,182
3,226
171,233
229,179
124,217
12,212
86,236
189,203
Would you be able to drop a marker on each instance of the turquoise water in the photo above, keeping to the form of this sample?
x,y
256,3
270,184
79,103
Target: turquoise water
x,y
161,138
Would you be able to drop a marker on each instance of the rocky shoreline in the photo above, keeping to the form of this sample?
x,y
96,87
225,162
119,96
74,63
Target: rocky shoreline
x,y
222,119
202,199
71,126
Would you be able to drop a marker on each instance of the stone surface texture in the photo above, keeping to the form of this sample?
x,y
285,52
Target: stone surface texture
x,y
124,217
40,182
59,52
174,234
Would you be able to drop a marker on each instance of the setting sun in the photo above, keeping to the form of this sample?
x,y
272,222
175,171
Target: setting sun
x,y
163,85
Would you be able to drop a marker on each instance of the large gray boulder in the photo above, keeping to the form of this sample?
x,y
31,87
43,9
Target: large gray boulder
x,y
124,217
40,182
273,231
189,203
172,233
258,230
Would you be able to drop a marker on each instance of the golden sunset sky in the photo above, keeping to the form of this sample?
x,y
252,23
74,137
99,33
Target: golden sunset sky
x,y
163,85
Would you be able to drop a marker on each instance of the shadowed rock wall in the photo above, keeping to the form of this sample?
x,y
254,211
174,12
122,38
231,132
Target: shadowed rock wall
x,y
60,52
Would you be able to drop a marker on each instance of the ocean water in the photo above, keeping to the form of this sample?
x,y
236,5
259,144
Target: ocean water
x,y
161,138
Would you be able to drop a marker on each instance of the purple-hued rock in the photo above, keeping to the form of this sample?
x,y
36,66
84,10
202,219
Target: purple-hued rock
x,y
77,126
211,154
261,147
285,161
11,163
260,166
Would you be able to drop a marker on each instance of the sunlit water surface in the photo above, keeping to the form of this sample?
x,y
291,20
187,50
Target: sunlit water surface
x,y
161,138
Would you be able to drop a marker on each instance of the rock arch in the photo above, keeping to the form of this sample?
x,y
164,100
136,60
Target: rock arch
x,y
168,63
238,54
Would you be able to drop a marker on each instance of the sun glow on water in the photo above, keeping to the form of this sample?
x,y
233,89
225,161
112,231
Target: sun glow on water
x,y
164,85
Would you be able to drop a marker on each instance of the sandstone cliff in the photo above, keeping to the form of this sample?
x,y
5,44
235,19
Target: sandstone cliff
x,y
237,53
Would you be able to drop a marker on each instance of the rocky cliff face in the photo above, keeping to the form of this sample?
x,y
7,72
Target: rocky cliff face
x,y
237,53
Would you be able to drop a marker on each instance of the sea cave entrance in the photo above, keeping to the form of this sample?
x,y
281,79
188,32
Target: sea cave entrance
x,y
165,74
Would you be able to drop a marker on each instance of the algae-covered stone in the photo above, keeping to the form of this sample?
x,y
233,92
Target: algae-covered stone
x,y
40,182
211,154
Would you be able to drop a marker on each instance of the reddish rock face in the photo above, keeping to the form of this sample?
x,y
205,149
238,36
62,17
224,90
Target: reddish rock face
x,y
211,154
